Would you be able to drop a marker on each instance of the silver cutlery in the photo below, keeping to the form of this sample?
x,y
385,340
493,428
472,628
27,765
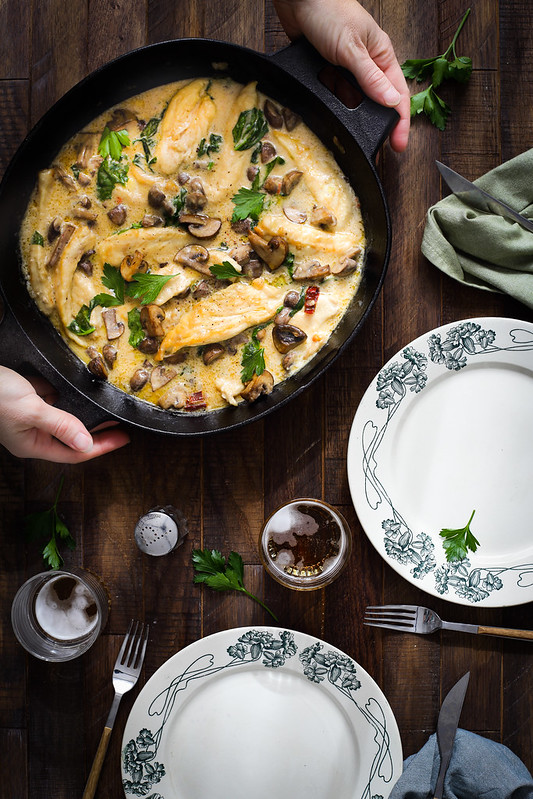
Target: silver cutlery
x,y
417,619
450,713
125,675
478,198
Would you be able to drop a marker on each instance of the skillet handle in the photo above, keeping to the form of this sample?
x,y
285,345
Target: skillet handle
x,y
370,123
18,353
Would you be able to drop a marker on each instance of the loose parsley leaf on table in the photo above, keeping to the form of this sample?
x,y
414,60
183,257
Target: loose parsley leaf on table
x,y
47,524
438,69
210,568
248,203
250,127
457,542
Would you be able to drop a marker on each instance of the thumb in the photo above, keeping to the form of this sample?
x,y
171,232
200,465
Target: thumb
x,y
65,427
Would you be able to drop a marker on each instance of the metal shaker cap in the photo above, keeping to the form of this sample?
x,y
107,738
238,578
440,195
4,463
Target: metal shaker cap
x,y
158,531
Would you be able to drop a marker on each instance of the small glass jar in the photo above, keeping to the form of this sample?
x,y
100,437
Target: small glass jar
x,y
305,544
58,615
161,530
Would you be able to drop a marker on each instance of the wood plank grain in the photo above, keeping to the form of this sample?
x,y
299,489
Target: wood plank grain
x,y
15,21
15,756
113,29
226,20
14,116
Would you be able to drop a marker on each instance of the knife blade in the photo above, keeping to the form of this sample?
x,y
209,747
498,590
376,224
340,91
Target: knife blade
x,y
472,195
447,724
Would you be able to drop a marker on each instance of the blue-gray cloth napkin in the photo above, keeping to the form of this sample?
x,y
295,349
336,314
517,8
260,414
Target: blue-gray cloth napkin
x,y
483,249
479,769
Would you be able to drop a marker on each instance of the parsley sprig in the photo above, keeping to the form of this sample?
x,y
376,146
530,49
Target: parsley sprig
x,y
112,170
211,568
447,65
253,356
47,524
248,204
250,127
457,542
224,271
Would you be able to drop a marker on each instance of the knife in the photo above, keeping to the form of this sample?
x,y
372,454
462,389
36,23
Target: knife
x,y
472,195
447,724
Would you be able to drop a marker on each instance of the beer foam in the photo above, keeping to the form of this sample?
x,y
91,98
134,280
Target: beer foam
x,y
65,609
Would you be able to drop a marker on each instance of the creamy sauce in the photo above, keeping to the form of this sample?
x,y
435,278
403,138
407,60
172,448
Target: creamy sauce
x,y
81,227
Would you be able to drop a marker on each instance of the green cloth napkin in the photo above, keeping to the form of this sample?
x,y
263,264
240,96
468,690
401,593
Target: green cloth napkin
x,y
482,249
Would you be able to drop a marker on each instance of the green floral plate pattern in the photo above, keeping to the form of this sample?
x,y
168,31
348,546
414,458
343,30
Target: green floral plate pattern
x,y
260,712
445,428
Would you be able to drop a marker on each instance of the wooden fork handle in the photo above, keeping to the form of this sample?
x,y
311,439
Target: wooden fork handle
x,y
506,633
92,782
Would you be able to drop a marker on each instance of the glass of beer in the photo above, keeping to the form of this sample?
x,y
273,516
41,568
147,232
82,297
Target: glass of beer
x,y
58,615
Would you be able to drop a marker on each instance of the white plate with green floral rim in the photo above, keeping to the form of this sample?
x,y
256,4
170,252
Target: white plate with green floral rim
x,y
260,712
445,429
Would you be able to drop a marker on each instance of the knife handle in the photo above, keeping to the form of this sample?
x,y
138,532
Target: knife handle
x,y
505,632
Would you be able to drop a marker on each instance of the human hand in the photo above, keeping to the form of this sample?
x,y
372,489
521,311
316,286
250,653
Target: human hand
x,y
348,36
30,426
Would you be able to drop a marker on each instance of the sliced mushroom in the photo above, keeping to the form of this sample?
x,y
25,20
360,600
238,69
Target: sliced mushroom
x,y
251,172
54,229
241,226
273,184
148,345
156,196
287,337
152,220
92,352
207,230
344,267
295,215
259,384
120,118
64,237
83,179
268,151
283,317
175,397
66,179
113,328
151,318
187,218
291,299
118,214
131,264
110,355
85,201
287,361
160,376
194,256
85,150
139,378
183,177
253,269
212,352
273,114
98,368
290,181
195,200
241,253
177,357
85,263
322,217
84,213
272,252
290,118
311,270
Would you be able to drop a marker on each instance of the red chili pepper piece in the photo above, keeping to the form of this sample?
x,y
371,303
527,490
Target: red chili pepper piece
x,y
195,402
311,299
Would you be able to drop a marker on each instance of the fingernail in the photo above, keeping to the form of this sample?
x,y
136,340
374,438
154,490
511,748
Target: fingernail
x,y
392,96
83,442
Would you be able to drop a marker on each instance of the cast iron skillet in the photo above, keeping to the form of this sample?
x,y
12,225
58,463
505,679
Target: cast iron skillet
x,y
29,342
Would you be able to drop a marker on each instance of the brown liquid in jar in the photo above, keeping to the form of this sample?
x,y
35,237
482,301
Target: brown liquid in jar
x,y
303,539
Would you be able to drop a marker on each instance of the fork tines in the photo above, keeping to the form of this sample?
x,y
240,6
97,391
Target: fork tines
x,y
132,651
393,617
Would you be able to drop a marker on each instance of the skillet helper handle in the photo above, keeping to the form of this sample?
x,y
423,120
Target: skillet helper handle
x,y
370,123
503,632
18,353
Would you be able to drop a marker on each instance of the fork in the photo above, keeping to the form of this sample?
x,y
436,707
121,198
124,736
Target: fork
x,y
416,619
125,674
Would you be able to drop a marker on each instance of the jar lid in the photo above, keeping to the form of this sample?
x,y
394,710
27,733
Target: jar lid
x,y
156,533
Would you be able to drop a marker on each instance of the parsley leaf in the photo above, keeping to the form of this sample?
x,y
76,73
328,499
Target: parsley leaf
x,y
47,524
146,287
248,203
133,226
438,69
250,127
112,142
37,239
137,333
210,568
112,279
253,357
81,324
457,542
224,271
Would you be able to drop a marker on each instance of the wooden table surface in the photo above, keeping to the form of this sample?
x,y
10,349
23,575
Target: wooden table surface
x,y
51,716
